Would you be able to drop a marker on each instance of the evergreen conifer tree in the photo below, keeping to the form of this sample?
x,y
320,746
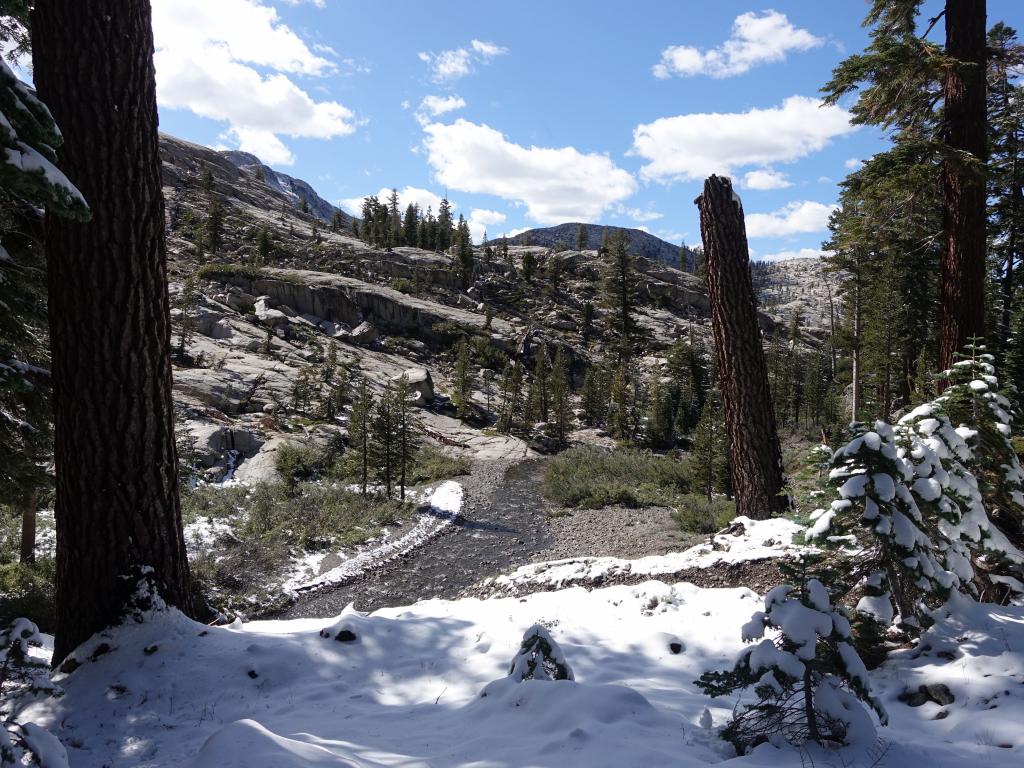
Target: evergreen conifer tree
x,y
187,304
529,265
561,392
445,227
619,292
263,245
581,237
708,466
407,431
809,681
594,395
29,183
213,230
384,427
463,383
360,439
511,412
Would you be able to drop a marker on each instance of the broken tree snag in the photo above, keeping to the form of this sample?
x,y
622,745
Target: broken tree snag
x,y
754,455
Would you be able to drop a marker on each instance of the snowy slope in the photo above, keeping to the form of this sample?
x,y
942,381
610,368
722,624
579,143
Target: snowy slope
x,y
404,689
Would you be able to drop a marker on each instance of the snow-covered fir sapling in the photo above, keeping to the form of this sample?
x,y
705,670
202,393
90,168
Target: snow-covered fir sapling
x,y
810,683
984,417
877,523
23,676
948,493
539,658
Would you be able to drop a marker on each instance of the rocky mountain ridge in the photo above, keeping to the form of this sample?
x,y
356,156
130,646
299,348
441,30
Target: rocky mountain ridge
x,y
641,243
279,286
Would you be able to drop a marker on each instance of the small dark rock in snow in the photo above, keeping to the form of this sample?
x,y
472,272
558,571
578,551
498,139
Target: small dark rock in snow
x,y
253,674
915,698
938,693
101,650
942,714
675,647
149,650
346,636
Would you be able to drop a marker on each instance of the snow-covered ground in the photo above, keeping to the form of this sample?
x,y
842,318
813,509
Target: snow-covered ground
x,y
745,540
401,687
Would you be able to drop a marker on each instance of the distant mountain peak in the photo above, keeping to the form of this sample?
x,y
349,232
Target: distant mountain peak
x,y
289,186
641,243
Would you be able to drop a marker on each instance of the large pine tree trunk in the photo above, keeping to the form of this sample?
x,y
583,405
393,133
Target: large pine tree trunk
x,y
755,457
117,506
963,264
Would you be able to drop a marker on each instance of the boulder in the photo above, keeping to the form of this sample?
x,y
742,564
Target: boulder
x,y
240,301
262,468
268,315
213,324
421,386
213,441
365,333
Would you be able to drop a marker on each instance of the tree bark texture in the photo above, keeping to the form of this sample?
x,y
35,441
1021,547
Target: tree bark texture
x,y
963,263
754,453
117,507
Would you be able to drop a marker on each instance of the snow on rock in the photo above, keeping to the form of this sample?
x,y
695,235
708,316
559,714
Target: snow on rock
x,y
744,540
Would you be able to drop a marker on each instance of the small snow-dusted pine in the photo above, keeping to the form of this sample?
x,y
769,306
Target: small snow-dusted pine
x,y
808,678
878,523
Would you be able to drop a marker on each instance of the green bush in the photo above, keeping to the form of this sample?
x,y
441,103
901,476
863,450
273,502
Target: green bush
x,y
220,271
298,463
28,590
698,515
434,464
591,478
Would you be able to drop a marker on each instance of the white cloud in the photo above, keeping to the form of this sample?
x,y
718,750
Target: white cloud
x,y
689,147
458,62
480,219
555,184
638,214
853,163
487,50
766,178
205,58
802,253
424,198
796,217
755,39
432,106
317,3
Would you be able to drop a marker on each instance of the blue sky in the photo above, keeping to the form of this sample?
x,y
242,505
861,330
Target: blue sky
x,y
531,113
